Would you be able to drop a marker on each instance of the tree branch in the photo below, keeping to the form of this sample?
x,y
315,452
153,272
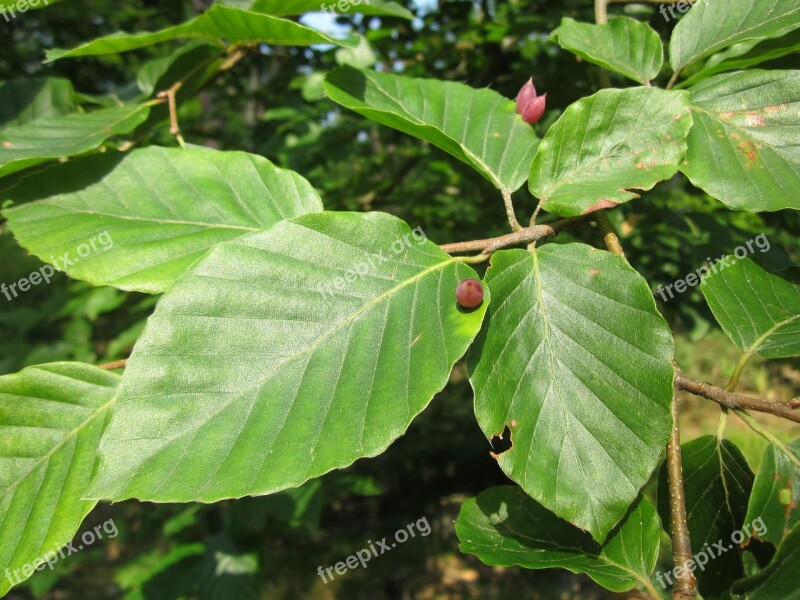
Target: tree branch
x,y
525,235
735,401
609,234
686,584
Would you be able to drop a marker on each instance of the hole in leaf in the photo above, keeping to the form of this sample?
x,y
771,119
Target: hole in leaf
x,y
501,442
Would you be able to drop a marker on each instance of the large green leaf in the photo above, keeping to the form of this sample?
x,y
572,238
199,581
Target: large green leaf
x,y
285,354
759,310
155,227
218,24
712,25
285,8
576,362
23,100
479,127
717,483
608,144
623,45
743,147
505,527
778,581
49,138
775,495
51,420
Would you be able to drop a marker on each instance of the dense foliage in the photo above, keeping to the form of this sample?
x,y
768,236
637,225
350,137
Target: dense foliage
x,y
270,219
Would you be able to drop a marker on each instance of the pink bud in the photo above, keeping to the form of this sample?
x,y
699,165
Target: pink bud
x,y
529,105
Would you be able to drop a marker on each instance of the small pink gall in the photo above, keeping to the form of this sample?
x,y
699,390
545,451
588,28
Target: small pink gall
x,y
469,293
529,105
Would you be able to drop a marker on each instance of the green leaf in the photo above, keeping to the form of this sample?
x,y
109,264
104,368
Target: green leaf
x,y
151,229
360,57
505,527
51,420
745,55
285,8
743,148
717,483
776,491
712,25
285,354
23,100
49,138
576,362
237,27
623,45
160,73
479,127
608,144
759,310
778,581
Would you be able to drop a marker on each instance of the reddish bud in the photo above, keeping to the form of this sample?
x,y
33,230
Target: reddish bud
x,y
469,293
529,105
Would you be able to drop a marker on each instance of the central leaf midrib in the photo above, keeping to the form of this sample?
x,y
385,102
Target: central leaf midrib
x,y
67,436
146,219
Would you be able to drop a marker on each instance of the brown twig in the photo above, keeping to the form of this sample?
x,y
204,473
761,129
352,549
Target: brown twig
x,y
735,401
117,364
609,234
523,236
685,583
169,94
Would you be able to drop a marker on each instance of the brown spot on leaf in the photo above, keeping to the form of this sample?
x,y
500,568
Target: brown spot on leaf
x,y
773,109
600,204
754,119
594,272
749,152
7,144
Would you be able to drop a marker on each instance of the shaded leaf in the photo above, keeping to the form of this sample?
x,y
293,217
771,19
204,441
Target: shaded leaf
x,y
759,310
23,100
48,138
479,127
233,25
778,581
314,352
712,25
607,145
743,148
776,492
576,361
745,55
623,45
505,527
155,227
51,420
717,483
